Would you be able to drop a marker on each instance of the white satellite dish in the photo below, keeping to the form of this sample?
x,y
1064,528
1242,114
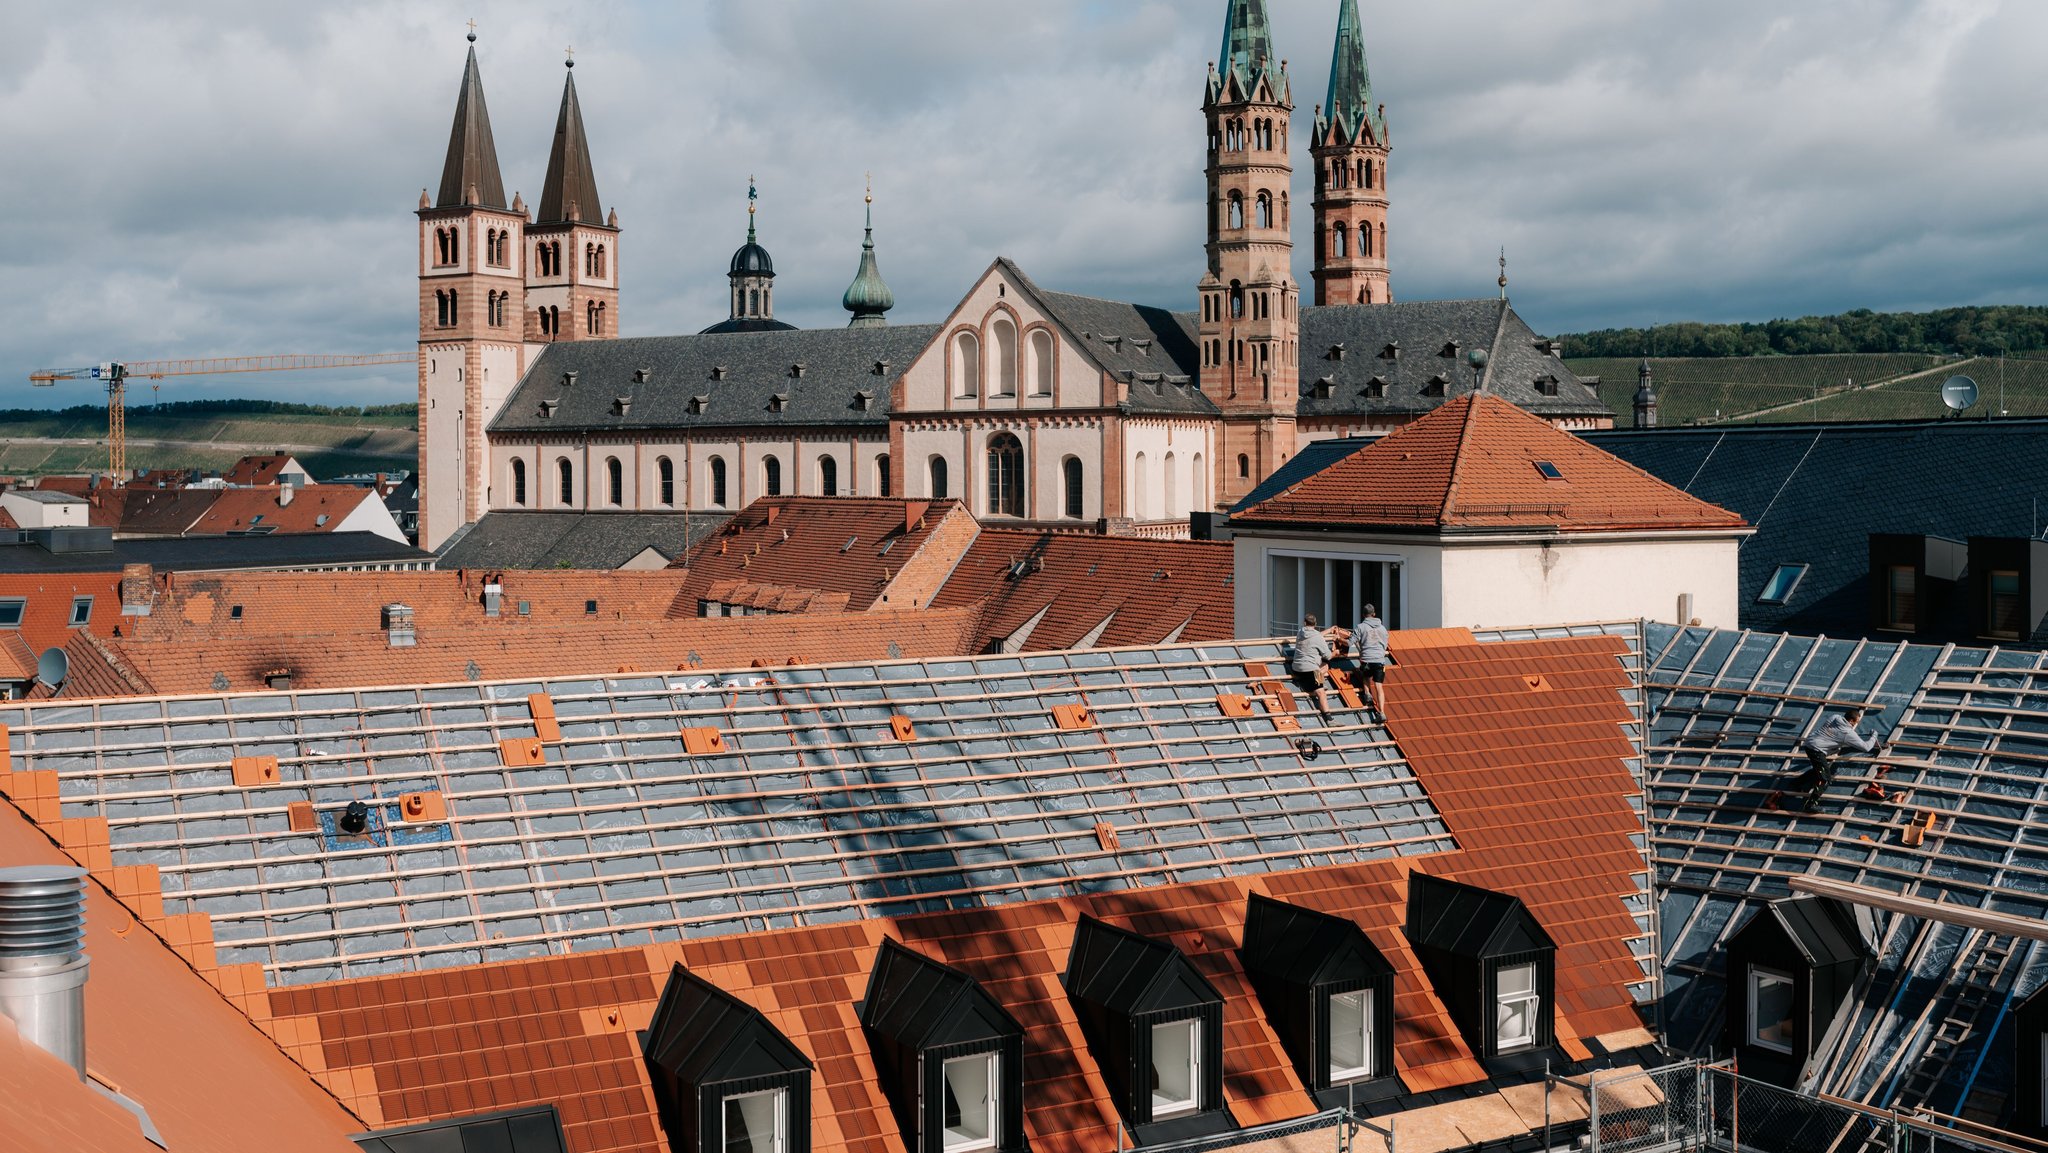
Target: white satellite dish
x,y
1958,393
52,667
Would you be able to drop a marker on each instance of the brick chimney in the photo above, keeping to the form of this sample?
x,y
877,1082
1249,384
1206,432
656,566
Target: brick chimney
x,y
138,590
284,493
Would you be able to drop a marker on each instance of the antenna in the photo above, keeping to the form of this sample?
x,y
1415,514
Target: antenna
x,y
1958,393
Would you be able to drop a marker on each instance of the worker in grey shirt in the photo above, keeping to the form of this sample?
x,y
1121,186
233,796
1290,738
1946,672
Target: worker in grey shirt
x,y
1310,658
1369,644
1837,731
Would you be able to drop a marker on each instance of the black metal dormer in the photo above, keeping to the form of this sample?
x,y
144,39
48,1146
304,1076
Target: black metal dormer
x,y
1791,966
1327,992
2028,1038
1155,1028
725,1079
1491,963
951,1059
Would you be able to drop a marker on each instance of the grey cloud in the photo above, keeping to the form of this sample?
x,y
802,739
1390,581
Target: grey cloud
x,y
234,178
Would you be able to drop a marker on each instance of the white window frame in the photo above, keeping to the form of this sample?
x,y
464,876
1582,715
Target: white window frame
x,y
779,1140
1758,974
1339,1075
1798,573
1503,1001
1193,1102
79,620
1391,598
993,1061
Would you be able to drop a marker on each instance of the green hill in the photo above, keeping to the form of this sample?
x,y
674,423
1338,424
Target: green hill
x,y
211,435
1854,386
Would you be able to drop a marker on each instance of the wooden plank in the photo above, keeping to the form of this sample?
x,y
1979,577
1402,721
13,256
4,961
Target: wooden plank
x,y
1947,914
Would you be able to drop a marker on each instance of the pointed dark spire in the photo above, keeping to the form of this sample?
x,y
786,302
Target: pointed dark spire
x,y
1349,102
868,298
570,184
472,157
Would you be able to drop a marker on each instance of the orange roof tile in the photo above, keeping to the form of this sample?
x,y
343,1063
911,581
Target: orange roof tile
x,y
1148,590
48,597
161,1036
311,508
1473,463
853,545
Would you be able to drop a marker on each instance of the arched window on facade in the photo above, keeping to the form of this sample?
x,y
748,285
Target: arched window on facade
x,y
1365,169
440,308
665,477
1138,488
828,476
1338,248
615,481
1236,300
938,475
1365,240
518,482
771,476
1244,466
1040,373
966,365
1236,217
1070,484
718,482
1198,484
882,475
1005,475
1170,482
601,261
1265,210
589,259
1003,377
565,476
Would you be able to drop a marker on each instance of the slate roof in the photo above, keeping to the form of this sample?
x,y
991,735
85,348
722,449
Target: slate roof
x,y
1422,330
1151,349
838,363
1047,590
1475,463
1816,492
419,1045
277,551
544,539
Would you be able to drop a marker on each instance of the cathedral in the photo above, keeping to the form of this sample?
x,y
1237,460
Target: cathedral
x,y
1036,406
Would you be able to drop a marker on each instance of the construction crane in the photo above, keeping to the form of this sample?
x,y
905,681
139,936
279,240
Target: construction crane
x,y
117,373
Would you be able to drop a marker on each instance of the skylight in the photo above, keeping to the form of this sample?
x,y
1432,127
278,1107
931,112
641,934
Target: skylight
x,y
1779,588
1548,470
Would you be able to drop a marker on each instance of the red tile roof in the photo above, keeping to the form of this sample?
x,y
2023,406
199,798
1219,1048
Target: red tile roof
x,y
162,1036
1148,590
803,543
1473,463
259,469
163,511
1531,781
46,616
230,661
312,508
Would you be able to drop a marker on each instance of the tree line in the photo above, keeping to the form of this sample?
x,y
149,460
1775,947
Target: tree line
x,y
1976,330
180,408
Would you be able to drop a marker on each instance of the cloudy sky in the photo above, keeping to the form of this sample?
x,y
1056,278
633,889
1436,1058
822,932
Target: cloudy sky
x,y
236,177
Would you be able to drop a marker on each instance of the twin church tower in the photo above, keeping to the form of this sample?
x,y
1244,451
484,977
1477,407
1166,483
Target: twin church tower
x,y
497,284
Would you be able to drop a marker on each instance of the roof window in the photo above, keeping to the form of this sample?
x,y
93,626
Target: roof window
x,y
950,1059
1326,989
1783,583
81,611
527,1130
1548,471
1490,961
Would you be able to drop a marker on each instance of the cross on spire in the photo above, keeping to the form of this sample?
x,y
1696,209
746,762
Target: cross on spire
x,y
472,30
569,56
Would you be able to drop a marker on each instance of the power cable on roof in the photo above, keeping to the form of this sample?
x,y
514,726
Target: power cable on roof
x,y
1759,522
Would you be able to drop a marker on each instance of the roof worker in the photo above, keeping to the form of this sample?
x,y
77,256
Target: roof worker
x,y
1837,731
1369,645
1309,664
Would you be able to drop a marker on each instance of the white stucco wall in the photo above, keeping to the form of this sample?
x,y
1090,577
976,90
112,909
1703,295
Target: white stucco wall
x,y
1499,585
370,515
857,457
929,385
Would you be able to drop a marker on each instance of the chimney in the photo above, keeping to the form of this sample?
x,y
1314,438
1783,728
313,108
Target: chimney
x,y
284,493
42,957
494,598
138,590
398,626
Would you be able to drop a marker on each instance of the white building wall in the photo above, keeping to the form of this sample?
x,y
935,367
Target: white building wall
x,y
1160,479
1419,595
442,424
857,457
930,384
1573,581
371,516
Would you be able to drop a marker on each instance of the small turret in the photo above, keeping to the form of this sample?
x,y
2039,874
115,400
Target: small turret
x,y
1646,397
868,298
752,274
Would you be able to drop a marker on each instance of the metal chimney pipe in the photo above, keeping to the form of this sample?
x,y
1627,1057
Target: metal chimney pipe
x,y
42,957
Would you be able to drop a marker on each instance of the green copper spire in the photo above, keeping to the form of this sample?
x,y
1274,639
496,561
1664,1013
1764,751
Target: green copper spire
x,y
1247,52
1349,103
867,298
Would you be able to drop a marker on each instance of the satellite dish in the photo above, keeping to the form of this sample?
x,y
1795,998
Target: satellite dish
x,y
52,667
1959,393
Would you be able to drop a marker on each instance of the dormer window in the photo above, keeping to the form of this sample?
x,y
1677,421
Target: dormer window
x,y
1328,993
641,375
1375,389
1336,352
1391,352
1325,387
1490,961
778,401
951,1060
725,1079
1437,384
718,372
549,407
1154,1023
698,404
1546,385
621,405
863,400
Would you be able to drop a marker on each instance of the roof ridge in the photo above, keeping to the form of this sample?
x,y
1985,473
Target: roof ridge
x,y
1471,402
